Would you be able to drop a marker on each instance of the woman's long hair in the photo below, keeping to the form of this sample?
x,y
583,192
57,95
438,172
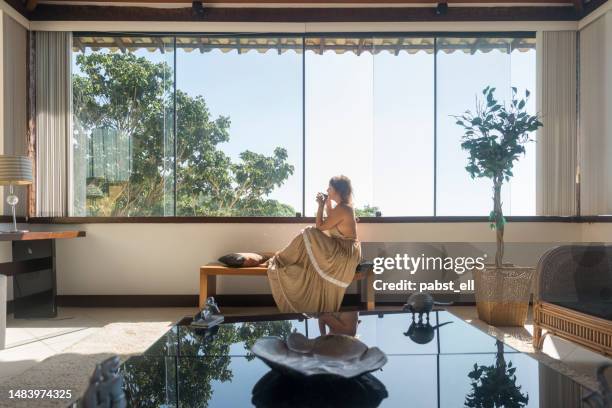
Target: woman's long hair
x,y
342,185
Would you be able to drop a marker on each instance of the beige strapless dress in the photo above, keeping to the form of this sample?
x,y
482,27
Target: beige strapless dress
x,y
312,273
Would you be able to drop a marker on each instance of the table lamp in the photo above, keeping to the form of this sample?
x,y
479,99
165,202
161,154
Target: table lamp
x,y
15,170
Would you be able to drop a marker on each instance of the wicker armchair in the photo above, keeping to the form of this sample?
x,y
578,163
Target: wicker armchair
x,y
573,296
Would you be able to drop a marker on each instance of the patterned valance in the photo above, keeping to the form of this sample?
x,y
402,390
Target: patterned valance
x,y
319,45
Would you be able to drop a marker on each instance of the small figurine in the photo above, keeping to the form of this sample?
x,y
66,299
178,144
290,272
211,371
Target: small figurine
x,y
422,303
211,307
422,333
209,316
105,386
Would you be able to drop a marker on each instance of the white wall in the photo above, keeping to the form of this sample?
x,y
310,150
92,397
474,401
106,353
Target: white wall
x,y
597,232
164,258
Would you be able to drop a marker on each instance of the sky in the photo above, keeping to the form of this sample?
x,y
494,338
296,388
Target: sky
x,y
368,117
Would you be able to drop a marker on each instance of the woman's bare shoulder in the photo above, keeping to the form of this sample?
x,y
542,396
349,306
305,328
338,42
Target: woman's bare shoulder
x,y
346,210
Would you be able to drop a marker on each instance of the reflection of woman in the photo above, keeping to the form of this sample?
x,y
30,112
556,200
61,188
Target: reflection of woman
x,y
339,323
312,273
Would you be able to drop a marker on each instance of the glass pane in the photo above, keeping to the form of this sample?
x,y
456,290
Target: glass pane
x,y
369,116
403,163
122,126
522,186
339,117
465,66
411,381
239,126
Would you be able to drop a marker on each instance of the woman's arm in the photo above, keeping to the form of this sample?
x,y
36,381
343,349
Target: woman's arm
x,y
319,220
334,217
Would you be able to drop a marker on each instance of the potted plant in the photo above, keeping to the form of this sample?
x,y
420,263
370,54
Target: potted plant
x,y
495,386
495,137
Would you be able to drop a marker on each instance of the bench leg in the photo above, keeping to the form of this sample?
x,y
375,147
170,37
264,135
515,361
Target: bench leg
x,y
203,289
369,281
212,285
208,287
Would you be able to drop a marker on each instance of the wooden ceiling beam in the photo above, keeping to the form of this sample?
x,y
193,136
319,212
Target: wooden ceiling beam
x,y
579,4
54,12
67,11
337,3
31,4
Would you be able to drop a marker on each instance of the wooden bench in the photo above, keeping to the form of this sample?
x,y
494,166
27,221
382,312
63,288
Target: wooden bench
x,y
209,273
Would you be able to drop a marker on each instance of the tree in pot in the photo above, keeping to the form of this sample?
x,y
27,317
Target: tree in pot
x,y
495,138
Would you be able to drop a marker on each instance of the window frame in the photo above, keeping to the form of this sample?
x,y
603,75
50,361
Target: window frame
x,y
300,218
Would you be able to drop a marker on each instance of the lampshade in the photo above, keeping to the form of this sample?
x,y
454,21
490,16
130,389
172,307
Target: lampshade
x,y
15,170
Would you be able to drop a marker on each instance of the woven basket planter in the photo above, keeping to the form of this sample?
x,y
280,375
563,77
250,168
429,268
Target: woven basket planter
x,y
502,294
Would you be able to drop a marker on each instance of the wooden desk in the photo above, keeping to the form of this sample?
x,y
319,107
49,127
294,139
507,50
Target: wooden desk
x,y
33,271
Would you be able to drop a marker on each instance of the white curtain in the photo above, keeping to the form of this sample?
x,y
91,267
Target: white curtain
x,y
556,142
595,135
15,100
53,122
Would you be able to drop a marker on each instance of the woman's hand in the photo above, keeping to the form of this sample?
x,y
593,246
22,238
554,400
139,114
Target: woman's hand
x,y
321,198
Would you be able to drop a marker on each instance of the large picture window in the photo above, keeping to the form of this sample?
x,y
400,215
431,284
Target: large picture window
x,y
255,125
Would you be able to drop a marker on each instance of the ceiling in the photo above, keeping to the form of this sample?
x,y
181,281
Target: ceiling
x,y
305,11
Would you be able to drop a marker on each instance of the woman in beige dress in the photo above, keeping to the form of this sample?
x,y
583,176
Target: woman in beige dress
x,y
312,273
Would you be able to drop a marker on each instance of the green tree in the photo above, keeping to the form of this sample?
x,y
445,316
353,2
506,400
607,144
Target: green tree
x,y
367,211
133,97
495,138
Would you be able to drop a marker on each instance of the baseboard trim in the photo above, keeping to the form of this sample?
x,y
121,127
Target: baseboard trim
x,y
257,300
127,300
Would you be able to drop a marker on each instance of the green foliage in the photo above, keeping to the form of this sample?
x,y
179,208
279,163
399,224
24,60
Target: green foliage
x,y
495,386
134,97
495,137
366,211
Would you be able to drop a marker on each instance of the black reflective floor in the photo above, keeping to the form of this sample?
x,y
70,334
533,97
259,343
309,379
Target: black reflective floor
x,y
446,363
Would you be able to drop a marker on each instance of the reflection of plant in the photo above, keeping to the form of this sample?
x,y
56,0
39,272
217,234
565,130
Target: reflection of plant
x,y
495,137
150,379
495,386
250,332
